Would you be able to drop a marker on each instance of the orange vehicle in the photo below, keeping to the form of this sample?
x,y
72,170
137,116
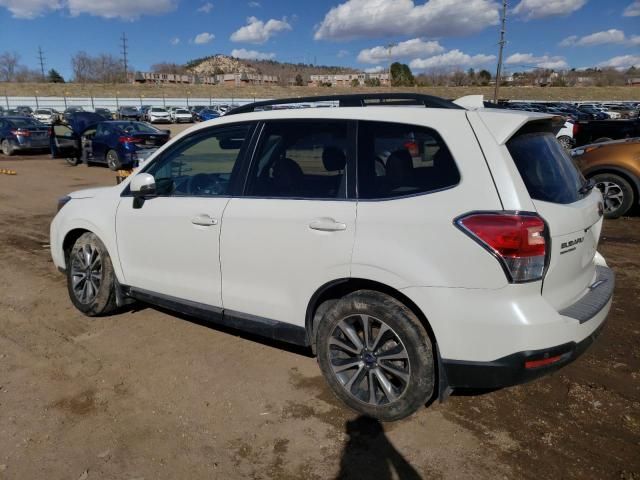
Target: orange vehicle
x,y
615,168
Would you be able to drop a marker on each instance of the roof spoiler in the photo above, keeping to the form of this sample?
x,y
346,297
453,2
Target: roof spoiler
x,y
470,102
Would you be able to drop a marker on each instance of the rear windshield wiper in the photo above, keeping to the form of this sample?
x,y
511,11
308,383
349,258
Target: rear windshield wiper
x,y
587,186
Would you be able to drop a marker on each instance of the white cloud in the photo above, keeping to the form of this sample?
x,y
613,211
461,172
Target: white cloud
x,y
342,53
254,4
174,41
206,8
257,31
410,48
453,58
204,37
29,9
612,36
622,62
379,18
251,54
124,9
634,41
633,10
531,61
531,9
377,69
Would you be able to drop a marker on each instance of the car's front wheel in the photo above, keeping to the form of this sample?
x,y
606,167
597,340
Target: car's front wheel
x,y
617,194
376,355
90,277
566,142
113,160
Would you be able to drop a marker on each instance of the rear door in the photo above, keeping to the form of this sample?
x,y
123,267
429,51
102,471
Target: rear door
x,y
293,229
572,212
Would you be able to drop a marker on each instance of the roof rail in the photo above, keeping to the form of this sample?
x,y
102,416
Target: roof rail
x,y
355,100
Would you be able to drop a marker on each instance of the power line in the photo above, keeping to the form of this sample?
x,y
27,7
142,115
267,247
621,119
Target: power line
x,y
501,43
41,59
123,45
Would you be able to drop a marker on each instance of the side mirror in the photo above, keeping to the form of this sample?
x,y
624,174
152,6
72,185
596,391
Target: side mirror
x,y
143,185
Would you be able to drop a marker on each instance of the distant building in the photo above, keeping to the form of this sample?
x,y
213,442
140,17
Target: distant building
x,y
346,79
634,82
236,79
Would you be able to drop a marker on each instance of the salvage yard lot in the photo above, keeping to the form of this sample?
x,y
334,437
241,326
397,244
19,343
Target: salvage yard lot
x,y
146,394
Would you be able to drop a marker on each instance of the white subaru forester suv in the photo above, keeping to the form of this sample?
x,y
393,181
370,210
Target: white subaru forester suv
x,y
416,246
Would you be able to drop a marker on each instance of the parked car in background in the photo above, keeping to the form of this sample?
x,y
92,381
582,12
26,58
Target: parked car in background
x,y
2,111
128,113
89,138
565,135
25,110
20,133
195,109
594,113
104,113
465,258
181,115
46,115
158,115
614,166
144,110
69,111
596,131
207,114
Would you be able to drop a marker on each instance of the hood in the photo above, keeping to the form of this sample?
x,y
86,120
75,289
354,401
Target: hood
x,y
89,192
80,121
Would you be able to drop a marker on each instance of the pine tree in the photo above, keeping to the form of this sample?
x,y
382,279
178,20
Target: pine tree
x,y
54,77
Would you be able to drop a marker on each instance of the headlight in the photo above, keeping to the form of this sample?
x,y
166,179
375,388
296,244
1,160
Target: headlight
x,y
62,201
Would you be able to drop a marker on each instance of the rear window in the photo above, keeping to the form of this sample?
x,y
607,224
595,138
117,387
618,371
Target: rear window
x,y
24,122
547,171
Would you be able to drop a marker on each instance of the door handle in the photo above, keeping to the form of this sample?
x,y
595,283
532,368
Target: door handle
x,y
327,225
204,220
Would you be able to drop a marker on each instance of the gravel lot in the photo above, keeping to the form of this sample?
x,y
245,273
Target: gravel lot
x,y
146,394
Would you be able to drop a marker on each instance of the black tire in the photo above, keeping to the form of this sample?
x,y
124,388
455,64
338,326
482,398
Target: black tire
x,y
406,338
566,142
602,139
113,160
99,296
7,148
617,193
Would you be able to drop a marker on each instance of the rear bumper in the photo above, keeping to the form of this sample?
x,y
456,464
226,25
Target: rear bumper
x,y
30,144
512,370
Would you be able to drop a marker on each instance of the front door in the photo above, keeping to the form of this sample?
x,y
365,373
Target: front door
x,y
293,229
169,244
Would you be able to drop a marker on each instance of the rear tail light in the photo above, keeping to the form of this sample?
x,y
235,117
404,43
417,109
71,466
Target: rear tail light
x,y
129,140
517,240
21,133
576,129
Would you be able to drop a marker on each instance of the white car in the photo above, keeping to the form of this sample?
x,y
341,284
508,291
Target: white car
x,y
465,258
566,136
158,115
46,115
180,115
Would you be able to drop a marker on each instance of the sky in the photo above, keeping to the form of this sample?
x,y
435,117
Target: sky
x,y
429,35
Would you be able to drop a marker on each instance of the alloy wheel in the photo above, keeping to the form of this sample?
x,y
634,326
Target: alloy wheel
x,y
612,195
369,360
86,273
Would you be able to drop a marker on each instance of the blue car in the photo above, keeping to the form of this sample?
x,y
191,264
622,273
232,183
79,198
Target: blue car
x,y
118,143
207,114
19,133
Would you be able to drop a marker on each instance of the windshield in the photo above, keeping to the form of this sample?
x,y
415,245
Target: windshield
x,y
43,112
160,110
182,110
136,127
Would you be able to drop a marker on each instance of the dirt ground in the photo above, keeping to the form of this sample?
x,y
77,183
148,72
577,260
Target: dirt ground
x,y
148,395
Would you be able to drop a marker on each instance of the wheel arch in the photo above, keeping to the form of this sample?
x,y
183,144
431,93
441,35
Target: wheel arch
x,y
334,290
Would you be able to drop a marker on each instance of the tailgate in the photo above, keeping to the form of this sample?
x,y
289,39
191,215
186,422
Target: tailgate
x,y
572,212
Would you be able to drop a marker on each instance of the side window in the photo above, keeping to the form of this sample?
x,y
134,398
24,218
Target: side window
x,y
202,164
395,160
301,159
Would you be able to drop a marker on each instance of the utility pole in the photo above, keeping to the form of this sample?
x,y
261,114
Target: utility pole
x,y
41,59
501,43
124,55
389,47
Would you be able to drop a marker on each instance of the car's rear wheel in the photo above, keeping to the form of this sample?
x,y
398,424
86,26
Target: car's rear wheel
x,y
566,142
376,355
90,277
617,194
7,148
113,160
